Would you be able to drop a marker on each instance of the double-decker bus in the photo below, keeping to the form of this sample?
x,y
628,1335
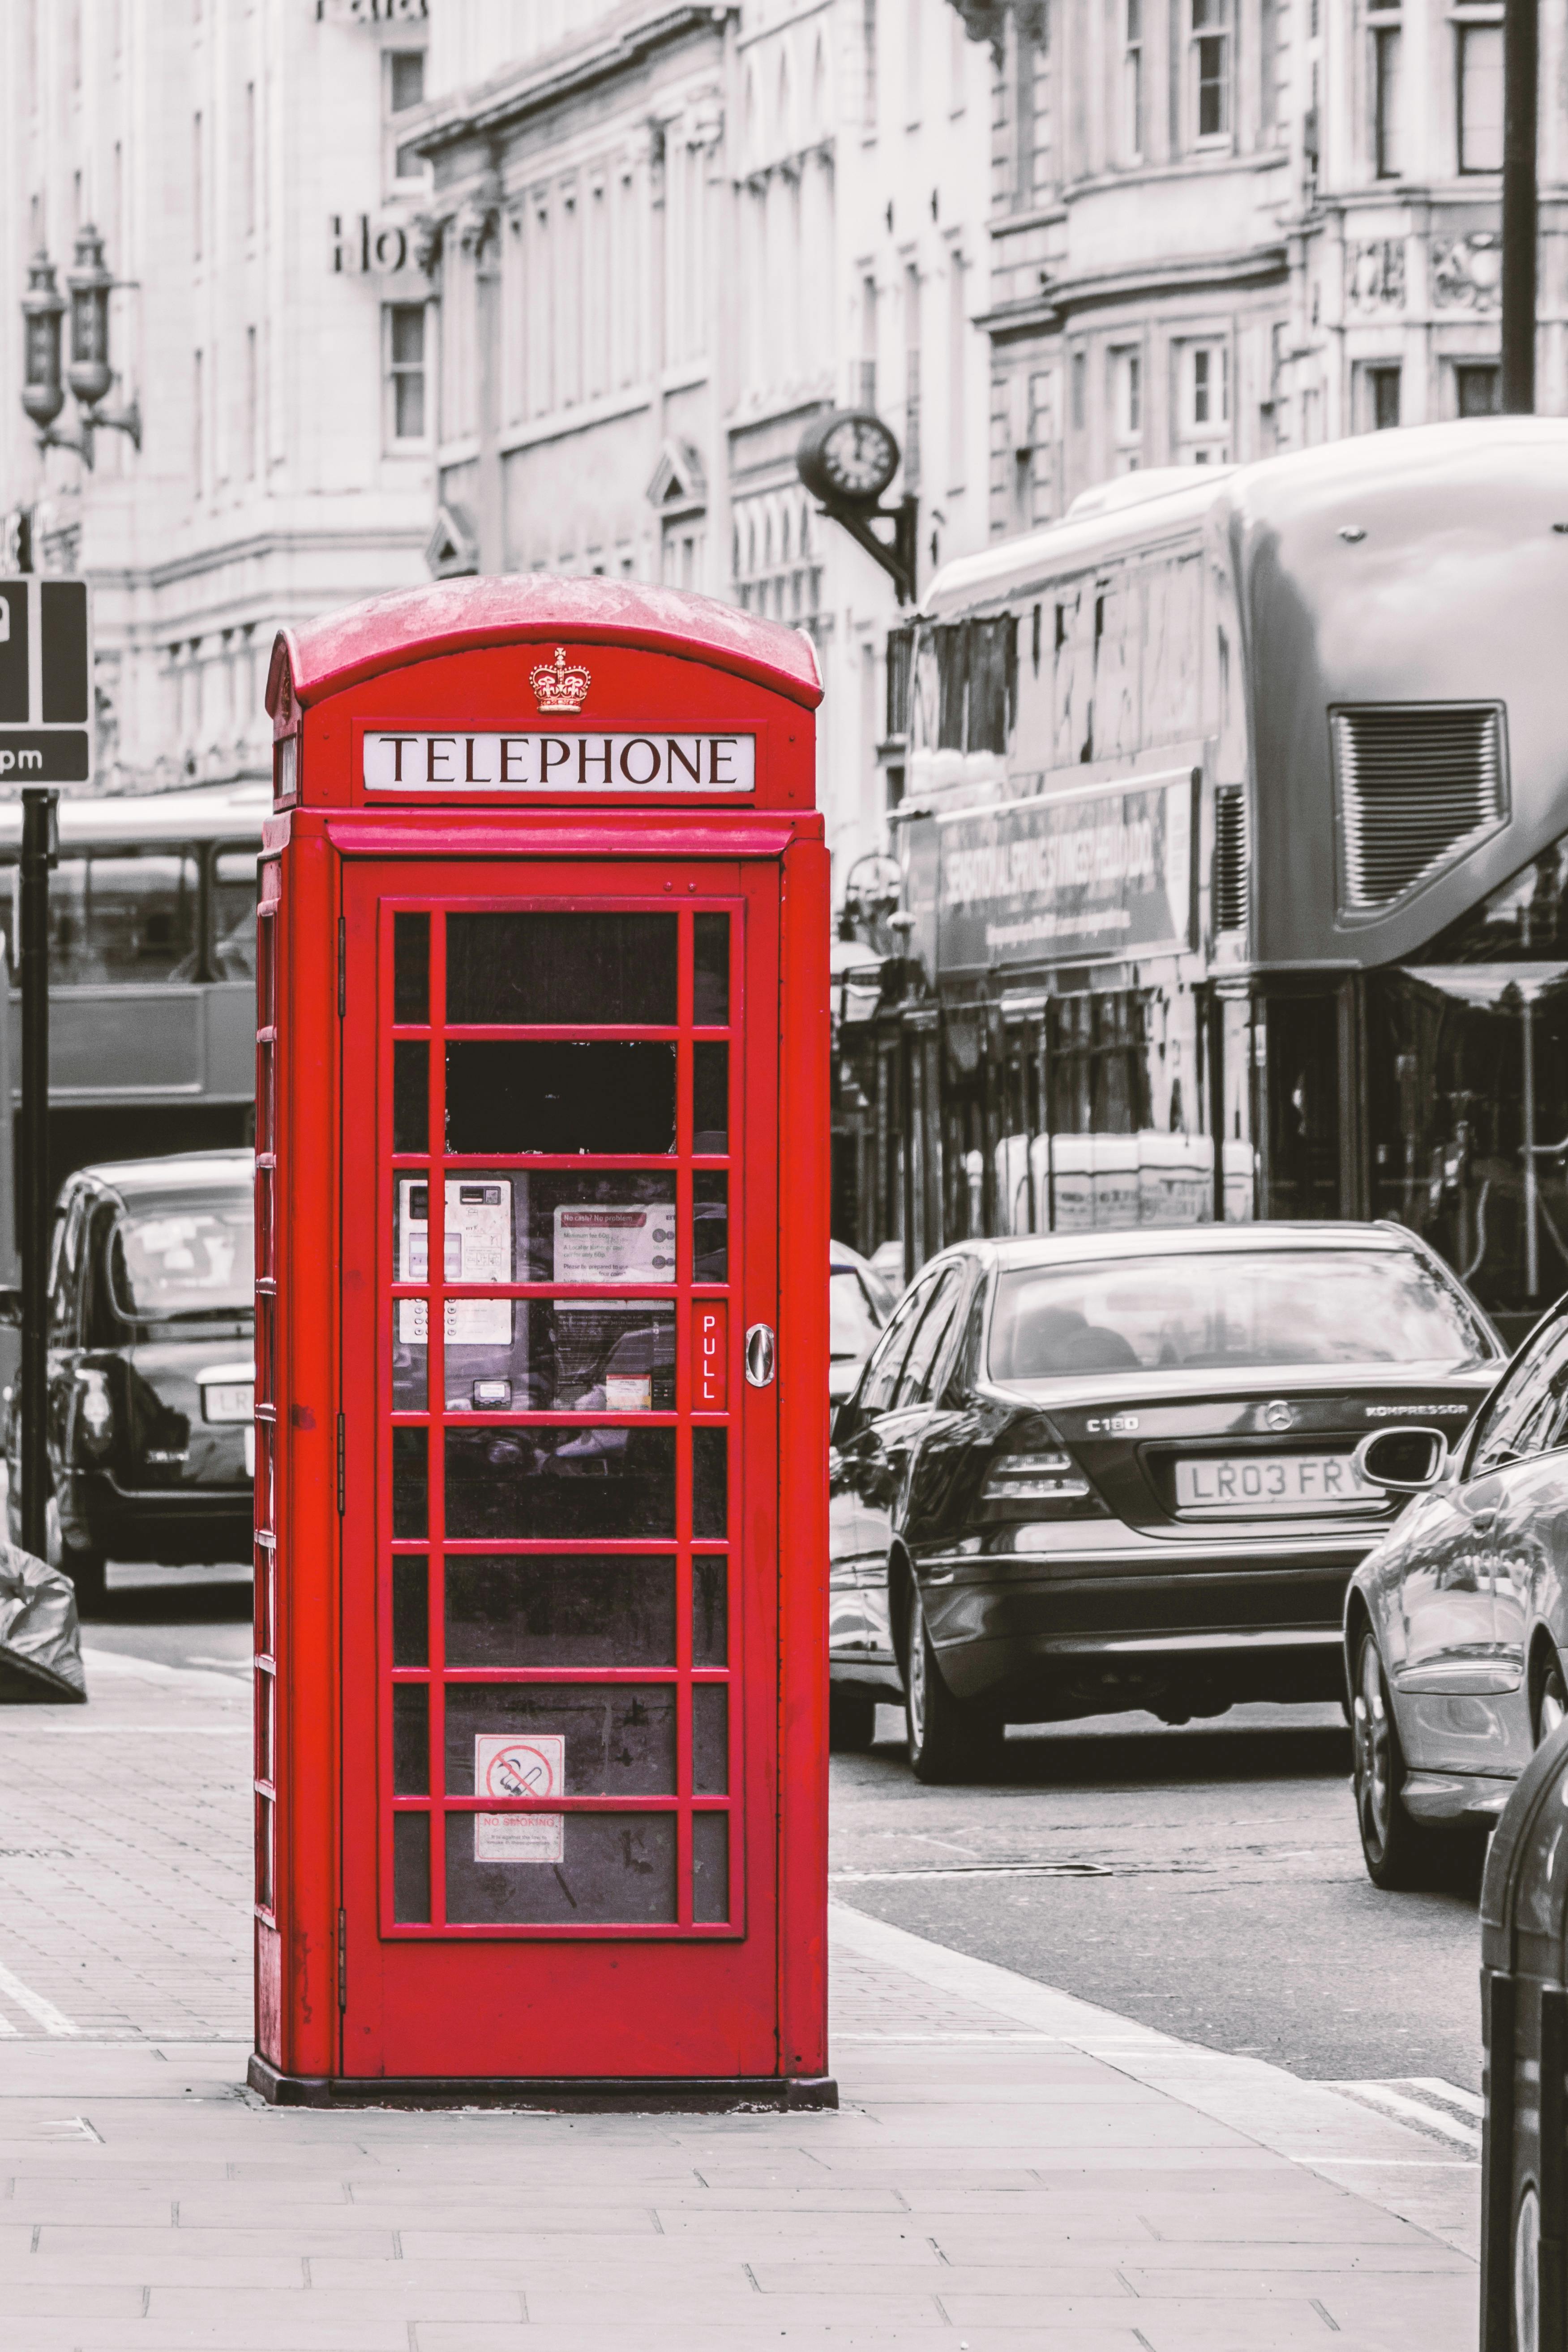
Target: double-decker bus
x,y
1235,851
151,973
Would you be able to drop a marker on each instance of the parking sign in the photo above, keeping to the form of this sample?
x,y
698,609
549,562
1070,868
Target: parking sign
x,y
46,682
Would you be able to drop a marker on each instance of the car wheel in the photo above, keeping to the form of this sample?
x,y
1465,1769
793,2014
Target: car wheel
x,y
946,1739
1550,1709
1400,1855
851,1721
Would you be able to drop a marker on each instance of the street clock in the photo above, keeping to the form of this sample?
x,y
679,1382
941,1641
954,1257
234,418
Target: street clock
x,y
847,457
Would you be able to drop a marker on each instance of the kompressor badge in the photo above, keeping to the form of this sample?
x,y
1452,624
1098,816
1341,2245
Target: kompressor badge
x,y
567,763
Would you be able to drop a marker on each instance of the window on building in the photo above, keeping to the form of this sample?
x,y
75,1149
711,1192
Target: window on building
x,y
1382,398
199,189
1127,408
249,159
869,65
1202,402
1042,451
406,370
1079,393
198,420
252,398
404,90
1032,108
1387,93
866,366
1132,82
1476,389
957,358
1211,68
1478,64
912,377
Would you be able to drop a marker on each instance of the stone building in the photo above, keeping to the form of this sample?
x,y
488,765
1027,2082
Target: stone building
x,y
667,237
1229,228
244,166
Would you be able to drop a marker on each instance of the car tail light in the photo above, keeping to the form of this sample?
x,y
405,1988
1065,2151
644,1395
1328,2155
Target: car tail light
x,y
95,1412
1036,1477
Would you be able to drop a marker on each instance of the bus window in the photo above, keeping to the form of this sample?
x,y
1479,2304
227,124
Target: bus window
x,y
234,914
122,914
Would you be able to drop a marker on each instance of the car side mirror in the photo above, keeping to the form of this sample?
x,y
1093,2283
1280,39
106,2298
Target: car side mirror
x,y
10,1306
1402,1461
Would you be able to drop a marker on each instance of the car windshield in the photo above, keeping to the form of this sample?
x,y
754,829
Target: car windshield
x,y
1224,1310
853,1321
183,1255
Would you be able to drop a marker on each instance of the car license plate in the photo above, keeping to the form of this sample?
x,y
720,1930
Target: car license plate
x,y
228,1401
1258,1483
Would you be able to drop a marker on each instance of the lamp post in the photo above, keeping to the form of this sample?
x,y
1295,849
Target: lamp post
x,y
89,374
1521,69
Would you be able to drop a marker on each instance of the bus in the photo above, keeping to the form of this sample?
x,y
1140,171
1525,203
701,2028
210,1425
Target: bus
x,y
1233,859
151,973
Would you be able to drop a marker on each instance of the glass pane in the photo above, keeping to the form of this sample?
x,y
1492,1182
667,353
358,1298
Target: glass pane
x,y
411,1739
611,1866
709,1098
709,1739
710,1610
711,973
411,1867
710,1225
571,1482
709,1866
233,916
124,915
411,968
410,1483
710,1467
410,1612
510,1226
561,1739
611,969
524,1095
542,1355
410,1094
566,1610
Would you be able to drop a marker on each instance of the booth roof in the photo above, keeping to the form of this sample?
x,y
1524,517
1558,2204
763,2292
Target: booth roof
x,y
535,607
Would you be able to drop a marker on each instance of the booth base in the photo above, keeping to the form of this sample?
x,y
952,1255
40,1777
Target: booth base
x,y
571,2095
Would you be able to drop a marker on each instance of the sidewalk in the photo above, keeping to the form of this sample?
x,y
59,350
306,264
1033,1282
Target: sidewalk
x,y
1010,2166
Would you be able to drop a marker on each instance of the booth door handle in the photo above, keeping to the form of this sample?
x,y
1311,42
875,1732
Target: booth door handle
x,y
760,1355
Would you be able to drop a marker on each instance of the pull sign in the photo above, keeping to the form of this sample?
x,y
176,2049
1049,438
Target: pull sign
x,y
709,1355
759,1353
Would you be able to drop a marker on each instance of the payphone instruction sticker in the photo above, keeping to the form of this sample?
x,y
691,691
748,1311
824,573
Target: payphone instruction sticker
x,y
520,1764
477,1248
633,1245
572,763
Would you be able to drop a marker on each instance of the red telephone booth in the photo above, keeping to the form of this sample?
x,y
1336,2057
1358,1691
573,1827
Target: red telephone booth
x,y
542,1355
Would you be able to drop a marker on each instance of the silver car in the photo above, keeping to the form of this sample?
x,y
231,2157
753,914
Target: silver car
x,y
1457,1624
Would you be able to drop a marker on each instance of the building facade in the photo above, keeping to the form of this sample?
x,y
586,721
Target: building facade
x,y
244,165
668,237
1234,227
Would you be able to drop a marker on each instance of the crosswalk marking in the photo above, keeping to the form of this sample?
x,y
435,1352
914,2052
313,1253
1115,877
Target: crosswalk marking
x,y
53,2020
1432,2106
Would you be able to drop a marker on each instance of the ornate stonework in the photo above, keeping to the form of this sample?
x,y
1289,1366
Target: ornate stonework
x,y
1466,270
1374,274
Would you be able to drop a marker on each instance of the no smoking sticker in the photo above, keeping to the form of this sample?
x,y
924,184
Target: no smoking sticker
x,y
520,1765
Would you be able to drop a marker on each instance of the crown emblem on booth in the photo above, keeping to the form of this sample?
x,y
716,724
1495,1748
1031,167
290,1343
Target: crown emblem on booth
x,y
558,686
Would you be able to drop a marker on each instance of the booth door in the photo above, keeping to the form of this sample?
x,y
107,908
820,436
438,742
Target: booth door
x,y
559,1489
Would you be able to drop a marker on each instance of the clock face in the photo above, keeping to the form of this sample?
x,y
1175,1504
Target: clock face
x,y
860,456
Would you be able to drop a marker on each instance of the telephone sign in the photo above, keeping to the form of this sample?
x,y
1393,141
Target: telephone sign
x,y
541,1356
45,681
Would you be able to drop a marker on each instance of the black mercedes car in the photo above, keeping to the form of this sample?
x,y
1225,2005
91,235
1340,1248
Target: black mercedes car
x,y
1110,1471
151,1366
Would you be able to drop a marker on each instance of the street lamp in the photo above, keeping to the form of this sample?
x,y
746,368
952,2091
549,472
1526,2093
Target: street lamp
x,y
89,374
